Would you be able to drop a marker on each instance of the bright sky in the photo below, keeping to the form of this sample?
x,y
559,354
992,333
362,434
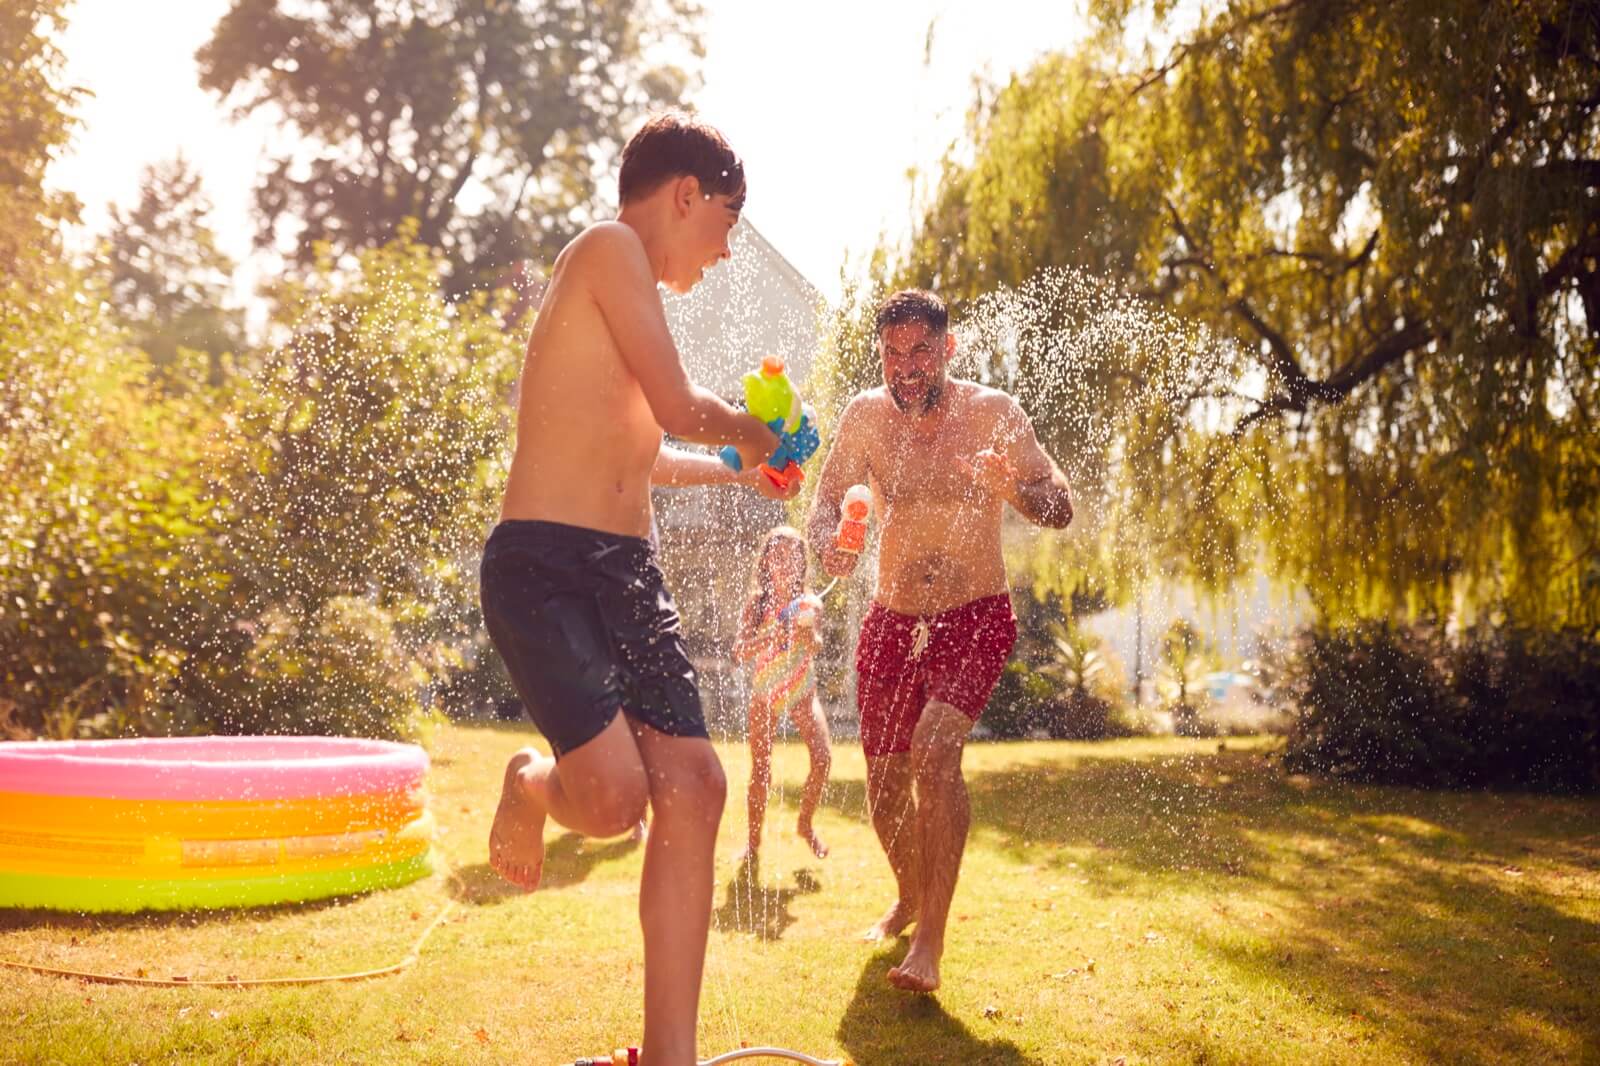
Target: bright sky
x,y
831,104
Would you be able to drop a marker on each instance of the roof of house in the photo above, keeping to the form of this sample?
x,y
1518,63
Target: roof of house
x,y
753,305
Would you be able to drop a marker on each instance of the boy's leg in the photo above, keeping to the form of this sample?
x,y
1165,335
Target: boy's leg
x,y
598,789
807,718
687,792
760,731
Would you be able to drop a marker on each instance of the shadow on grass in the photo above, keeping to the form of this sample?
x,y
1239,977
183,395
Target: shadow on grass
x,y
21,918
567,861
1406,908
749,906
883,1026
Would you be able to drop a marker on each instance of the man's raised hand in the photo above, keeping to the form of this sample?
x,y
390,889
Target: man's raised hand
x,y
993,472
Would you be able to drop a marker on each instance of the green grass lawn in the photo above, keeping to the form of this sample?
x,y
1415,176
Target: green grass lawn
x,y
1142,901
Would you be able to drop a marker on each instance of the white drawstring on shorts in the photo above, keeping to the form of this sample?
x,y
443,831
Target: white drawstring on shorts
x,y
921,633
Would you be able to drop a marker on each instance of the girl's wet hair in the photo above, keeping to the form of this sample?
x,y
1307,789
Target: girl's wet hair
x,y
761,591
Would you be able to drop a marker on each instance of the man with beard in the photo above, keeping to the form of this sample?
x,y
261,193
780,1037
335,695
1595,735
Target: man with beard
x,y
942,457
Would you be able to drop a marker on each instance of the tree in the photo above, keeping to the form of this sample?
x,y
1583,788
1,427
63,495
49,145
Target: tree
x,y
484,120
1184,659
1386,217
35,123
168,278
100,492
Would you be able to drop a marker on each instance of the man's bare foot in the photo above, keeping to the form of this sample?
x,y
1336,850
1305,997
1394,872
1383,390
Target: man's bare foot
x,y
516,840
809,835
919,972
900,914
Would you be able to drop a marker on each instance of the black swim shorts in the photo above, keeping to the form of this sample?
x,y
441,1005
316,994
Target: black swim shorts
x,y
587,628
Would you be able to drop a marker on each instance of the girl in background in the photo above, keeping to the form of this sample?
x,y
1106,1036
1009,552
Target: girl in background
x,y
777,635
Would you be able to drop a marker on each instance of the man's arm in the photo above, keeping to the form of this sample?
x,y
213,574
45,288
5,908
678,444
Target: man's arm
x,y
1023,474
676,468
847,464
620,279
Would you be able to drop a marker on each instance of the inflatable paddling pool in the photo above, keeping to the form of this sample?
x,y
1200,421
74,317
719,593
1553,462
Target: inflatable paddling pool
x,y
123,825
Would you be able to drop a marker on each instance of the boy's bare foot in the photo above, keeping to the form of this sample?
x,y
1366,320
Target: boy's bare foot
x,y
919,972
516,840
809,835
900,914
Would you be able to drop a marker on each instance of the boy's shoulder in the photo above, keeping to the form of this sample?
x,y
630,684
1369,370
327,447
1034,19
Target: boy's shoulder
x,y
604,256
600,245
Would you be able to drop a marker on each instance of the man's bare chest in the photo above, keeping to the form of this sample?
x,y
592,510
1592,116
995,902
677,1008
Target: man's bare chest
x,y
932,468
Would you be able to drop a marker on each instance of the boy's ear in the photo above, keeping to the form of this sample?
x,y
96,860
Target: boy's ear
x,y
949,346
685,191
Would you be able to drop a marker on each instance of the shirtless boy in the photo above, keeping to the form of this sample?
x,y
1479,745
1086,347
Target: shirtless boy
x,y
572,596
942,456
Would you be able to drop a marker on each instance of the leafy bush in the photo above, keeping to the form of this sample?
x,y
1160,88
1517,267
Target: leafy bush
x,y
1090,701
1081,715
1503,708
1532,709
1075,696
289,553
369,466
1018,704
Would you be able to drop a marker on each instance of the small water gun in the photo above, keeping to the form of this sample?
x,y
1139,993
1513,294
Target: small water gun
x,y
851,535
771,397
803,610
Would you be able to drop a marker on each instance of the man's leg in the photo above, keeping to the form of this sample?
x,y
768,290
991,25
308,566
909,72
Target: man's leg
x,y
687,793
893,810
807,718
598,788
943,817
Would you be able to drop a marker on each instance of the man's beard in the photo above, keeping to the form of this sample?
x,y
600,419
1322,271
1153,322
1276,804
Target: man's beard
x,y
931,393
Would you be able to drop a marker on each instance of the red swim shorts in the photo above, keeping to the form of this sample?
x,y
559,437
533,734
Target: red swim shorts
x,y
903,661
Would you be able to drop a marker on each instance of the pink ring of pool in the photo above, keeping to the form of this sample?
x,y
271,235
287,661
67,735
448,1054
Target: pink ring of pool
x,y
212,768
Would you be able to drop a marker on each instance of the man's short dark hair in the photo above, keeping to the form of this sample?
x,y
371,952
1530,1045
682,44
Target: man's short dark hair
x,y
674,144
912,305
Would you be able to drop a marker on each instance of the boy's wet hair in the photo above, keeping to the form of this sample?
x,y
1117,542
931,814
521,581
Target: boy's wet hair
x,y
674,144
912,305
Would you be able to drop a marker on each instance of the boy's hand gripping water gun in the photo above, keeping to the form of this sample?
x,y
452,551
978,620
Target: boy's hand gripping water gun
x,y
854,511
771,397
